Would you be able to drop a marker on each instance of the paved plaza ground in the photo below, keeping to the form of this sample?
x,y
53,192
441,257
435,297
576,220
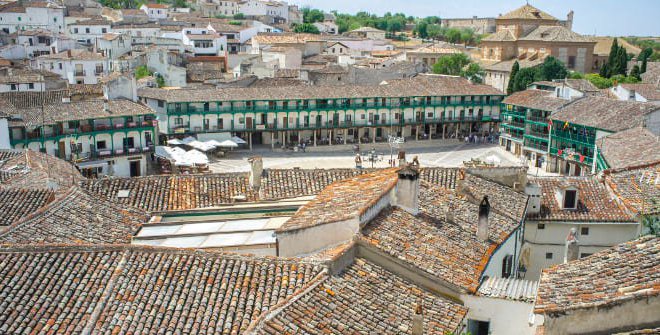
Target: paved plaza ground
x,y
438,153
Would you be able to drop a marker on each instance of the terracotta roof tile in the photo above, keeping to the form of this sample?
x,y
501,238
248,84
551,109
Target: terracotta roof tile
x,y
76,217
425,85
365,298
536,99
638,189
343,200
125,289
629,271
527,12
447,249
31,170
595,203
630,148
606,114
15,204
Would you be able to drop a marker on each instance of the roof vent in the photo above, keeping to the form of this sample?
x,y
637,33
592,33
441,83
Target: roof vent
x,y
122,194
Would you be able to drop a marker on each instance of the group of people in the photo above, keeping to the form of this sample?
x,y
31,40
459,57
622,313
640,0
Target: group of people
x,y
476,139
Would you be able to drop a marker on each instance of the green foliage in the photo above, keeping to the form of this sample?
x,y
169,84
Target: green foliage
x,y
180,4
474,73
598,80
617,61
635,73
605,71
312,15
524,78
451,65
650,225
220,16
388,22
514,71
643,69
428,29
239,16
235,23
575,75
551,69
119,4
142,71
160,81
306,28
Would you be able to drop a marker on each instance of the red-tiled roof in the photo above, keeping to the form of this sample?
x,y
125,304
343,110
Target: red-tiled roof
x,y
629,271
595,202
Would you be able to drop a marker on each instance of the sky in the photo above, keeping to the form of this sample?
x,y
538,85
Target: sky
x,y
592,17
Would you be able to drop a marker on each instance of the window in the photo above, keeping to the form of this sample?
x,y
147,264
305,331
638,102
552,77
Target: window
x,y
584,231
570,199
571,62
104,30
541,226
161,103
75,30
507,266
548,255
220,124
59,65
178,121
87,30
99,68
585,254
241,120
13,87
100,145
31,86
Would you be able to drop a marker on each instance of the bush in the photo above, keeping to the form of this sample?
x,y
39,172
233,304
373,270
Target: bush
x,y
239,16
141,72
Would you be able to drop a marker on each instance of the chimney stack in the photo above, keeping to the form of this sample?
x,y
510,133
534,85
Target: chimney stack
x,y
256,169
571,249
407,190
482,227
534,193
105,106
418,320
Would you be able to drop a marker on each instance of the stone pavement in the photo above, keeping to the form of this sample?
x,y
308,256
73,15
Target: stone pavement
x,y
442,153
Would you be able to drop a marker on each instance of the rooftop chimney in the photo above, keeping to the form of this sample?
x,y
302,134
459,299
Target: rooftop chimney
x,y
482,227
105,106
534,193
418,320
256,169
571,249
407,190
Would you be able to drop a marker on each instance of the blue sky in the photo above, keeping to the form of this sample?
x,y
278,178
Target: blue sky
x,y
600,17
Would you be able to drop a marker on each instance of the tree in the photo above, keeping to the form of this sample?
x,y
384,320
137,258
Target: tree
x,y
598,80
306,28
524,78
643,69
635,73
605,71
239,16
421,29
451,65
622,62
474,73
312,15
551,69
575,75
614,50
514,72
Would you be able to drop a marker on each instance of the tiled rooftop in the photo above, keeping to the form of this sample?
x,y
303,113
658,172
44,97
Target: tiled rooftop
x,y
555,34
650,92
527,12
536,99
595,202
448,250
32,170
607,114
509,288
419,86
57,111
75,218
629,271
343,200
365,298
15,204
121,289
638,189
630,148
168,193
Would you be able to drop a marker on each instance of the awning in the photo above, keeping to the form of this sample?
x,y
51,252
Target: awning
x,y
202,146
188,139
92,164
174,141
227,144
238,140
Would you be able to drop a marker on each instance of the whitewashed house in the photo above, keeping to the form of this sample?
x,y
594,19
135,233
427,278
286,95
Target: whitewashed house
x,y
559,204
76,66
156,11
88,31
31,15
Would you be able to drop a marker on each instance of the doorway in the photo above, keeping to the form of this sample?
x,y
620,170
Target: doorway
x,y
134,167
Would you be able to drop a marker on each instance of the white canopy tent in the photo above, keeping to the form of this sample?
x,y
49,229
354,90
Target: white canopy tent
x,y
202,146
238,140
188,139
180,157
174,141
227,144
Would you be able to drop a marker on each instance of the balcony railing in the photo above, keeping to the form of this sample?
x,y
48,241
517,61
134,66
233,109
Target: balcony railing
x,y
272,126
187,109
79,73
